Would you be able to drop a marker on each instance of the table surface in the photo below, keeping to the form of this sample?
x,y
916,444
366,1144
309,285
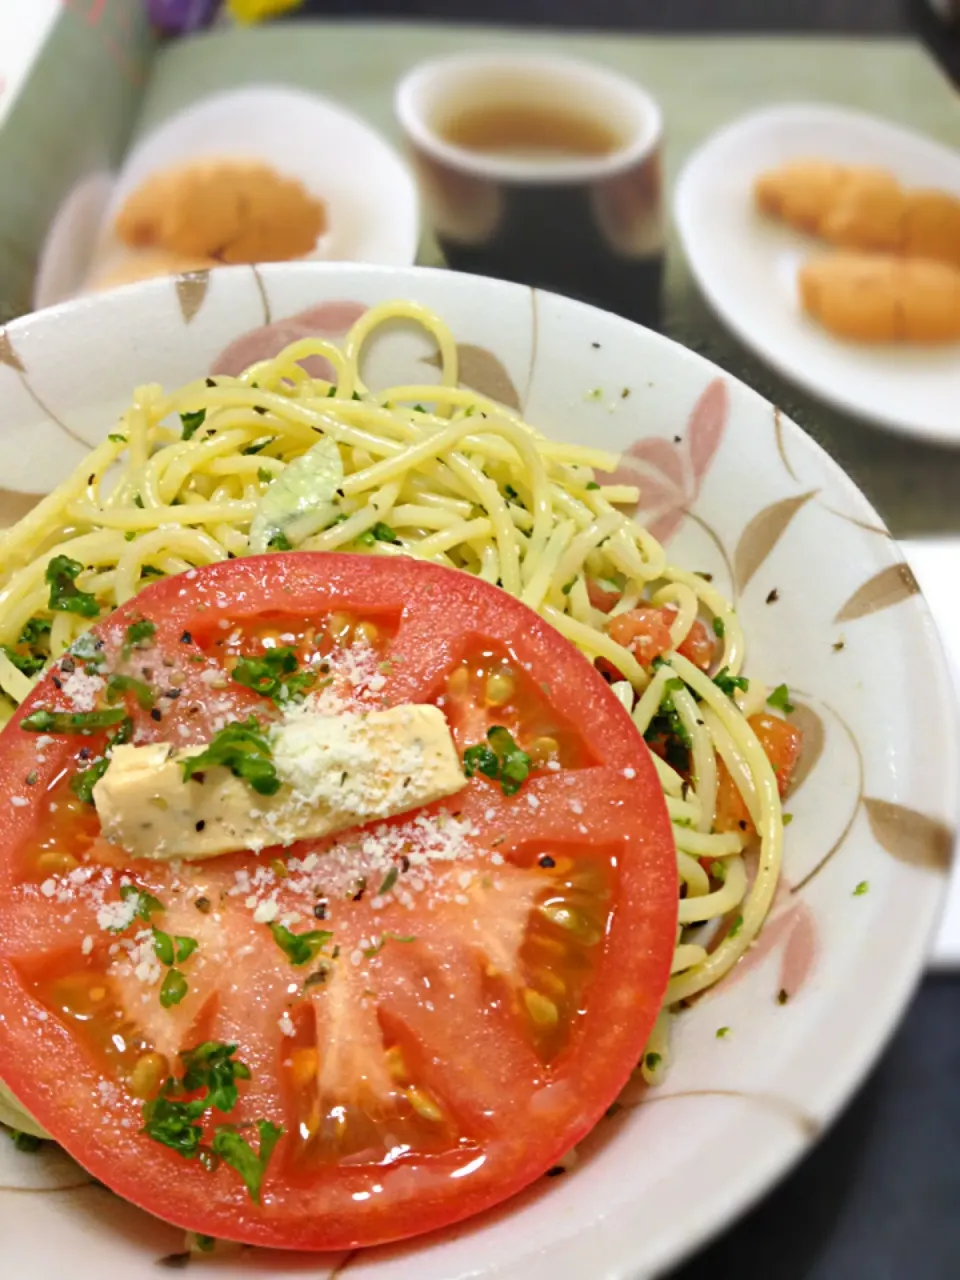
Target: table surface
x,y
878,1199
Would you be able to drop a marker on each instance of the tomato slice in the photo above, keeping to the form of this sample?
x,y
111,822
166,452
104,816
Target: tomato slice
x,y
432,1010
782,743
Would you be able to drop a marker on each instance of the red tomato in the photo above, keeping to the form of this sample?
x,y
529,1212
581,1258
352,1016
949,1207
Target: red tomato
x,y
647,632
472,1015
782,742
601,597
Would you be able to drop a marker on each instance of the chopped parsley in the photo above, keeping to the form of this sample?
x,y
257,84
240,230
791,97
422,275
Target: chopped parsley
x,y
117,437
264,475
719,627
652,1060
510,493
279,542
211,1066
667,731
727,683
274,674
146,904
28,1142
89,650
237,1152
379,533
139,634
780,699
299,948
210,1071
258,446
172,950
242,748
86,722
192,422
389,880
861,888
28,663
735,927
568,586
722,1032
592,484
502,761
65,595
173,988
118,685
34,629
82,784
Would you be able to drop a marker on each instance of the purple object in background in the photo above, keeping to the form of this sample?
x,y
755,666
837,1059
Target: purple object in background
x,y
181,16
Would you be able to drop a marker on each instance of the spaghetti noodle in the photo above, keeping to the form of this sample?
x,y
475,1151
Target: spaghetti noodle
x,y
442,473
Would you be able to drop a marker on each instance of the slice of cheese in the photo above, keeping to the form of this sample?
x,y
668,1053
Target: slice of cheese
x,y
336,772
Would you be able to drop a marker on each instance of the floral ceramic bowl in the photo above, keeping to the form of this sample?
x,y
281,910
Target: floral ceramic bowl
x,y
827,604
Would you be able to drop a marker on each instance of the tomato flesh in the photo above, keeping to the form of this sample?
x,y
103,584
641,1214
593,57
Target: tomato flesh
x,y
646,632
494,961
782,743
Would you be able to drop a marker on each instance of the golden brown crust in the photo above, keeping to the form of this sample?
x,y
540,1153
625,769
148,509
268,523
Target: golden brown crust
x,y
231,210
862,208
880,298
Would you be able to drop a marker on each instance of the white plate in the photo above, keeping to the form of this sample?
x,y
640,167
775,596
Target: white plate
x,y
746,264
371,197
877,803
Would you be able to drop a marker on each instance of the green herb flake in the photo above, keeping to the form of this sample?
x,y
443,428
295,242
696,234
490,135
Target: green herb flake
x,y
383,533
299,948
163,946
27,663
862,888
204,1244
652,1060
185,947
212,1066
192,422
264,475
728,684
82,784
389,880
146,904
568,586
722,1032
501,761
173,988
279,542
140,633
719,628
274,674
235,1151
117,437
27,1142
787,819
65,596
242,748
118,685
780,699
84,722
174,1124
592,484
735,927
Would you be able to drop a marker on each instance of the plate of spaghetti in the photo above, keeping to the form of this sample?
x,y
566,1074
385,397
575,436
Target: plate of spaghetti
x,y
456,793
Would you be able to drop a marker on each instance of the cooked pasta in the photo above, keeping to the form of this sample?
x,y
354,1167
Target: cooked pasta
x,y
443,473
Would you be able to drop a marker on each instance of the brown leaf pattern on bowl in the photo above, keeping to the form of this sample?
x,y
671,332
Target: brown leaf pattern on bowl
x,y
886,588
763,533
480,370
911,837
328,320
14,505
670,473
811,726
191,289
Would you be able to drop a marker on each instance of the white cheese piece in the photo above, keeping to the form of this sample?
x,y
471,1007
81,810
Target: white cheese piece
x,y
335,772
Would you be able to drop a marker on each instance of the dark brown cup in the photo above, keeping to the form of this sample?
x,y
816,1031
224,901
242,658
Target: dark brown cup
x,y
587,225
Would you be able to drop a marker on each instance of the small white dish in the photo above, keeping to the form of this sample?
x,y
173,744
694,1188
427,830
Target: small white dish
x,y
746,264
371,198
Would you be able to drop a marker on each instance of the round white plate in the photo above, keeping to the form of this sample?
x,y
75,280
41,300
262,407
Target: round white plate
x,y
735,490
371,197
746,264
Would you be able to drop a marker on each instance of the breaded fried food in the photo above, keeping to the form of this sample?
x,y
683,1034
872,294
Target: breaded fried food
x,y
881,298
862,208
799,193
230,210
